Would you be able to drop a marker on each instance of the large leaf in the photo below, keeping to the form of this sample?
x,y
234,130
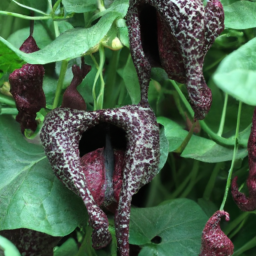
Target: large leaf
x,y
236,74
9,61
69,45
198,148
240,15
177,224
80,6
30,194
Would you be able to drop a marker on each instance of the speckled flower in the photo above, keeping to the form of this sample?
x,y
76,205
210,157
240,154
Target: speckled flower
x,y
26,88
30,242
176,36
214,241
105,157
243,202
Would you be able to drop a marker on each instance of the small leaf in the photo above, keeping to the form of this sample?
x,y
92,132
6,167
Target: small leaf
x,y
9,61
240,15
236,74
171,229
67,249
69,45
30,194
80,6
164,149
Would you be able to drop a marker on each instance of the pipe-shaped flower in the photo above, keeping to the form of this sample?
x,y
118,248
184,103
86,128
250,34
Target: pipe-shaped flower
x,y
214,241
26,88
244,203
176,36
61,134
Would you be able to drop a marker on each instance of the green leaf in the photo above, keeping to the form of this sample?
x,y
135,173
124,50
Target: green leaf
x,y
118,6
40,35
69,45
129,75
236,75
198,148
7,248
9,61
30,194
69,248
164,149
240,15
178,224
80,6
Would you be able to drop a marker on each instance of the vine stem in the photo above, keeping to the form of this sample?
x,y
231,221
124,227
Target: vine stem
x,y
46,17
211,182
233,158
223,115
98,101
204,126
9,111
63,69
233,224
100,4
29,8
246,247
7,100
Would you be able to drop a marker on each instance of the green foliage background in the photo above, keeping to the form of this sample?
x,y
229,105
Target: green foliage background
x,y
190,187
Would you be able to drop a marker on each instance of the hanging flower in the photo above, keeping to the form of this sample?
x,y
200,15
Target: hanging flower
x,y
105,157
26,88
176,36
214,241
30,242
243,202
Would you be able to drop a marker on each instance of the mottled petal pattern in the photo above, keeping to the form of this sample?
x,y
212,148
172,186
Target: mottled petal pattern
x,y
243,202
61,133
214,241
185,31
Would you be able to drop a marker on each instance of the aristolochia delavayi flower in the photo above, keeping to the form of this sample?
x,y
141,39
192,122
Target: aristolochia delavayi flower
x,y
243,202
176,36
214,240
26,88
105,157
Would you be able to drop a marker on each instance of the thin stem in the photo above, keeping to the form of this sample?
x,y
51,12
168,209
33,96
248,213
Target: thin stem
x,y
234,156
56,28
100,4
211,182
9,111
204,126
64,66
7,100
223,115
246,247
186,140
153,191
46,17
29,8
55,6
98,101
233,224
193,179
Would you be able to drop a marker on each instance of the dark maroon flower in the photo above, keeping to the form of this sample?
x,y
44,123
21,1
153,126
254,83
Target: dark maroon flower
x,y
72,98
175,35
243,202
26,88
214,240
105,157
30,242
